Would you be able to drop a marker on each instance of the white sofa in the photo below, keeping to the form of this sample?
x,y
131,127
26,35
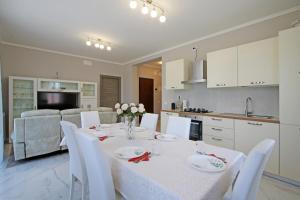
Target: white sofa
x,y
38,132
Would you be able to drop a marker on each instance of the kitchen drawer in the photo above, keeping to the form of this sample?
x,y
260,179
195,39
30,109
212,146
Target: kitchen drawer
x,y
219,132
218,141
218,121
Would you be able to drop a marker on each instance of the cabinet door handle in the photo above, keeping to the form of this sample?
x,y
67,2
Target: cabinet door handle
x,y
216,119
217,84
255,124
217,129
216,139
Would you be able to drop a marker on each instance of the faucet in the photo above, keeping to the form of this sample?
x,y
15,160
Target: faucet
x,y
247,112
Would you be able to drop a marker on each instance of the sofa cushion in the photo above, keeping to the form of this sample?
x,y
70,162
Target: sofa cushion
x,y
72,111
103,109
42,112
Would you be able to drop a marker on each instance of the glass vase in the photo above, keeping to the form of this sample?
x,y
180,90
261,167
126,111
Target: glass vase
x,y
130,128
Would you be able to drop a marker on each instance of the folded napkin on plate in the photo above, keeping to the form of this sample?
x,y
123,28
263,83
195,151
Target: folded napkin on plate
x,y
214,155
103,138
144,157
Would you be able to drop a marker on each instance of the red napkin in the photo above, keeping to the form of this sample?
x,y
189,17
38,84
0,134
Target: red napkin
x,y
144,157
103,138
214,155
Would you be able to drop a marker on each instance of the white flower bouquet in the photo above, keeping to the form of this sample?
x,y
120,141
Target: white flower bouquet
x,y
130,111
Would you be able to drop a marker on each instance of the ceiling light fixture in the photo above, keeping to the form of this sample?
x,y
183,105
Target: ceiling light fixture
x,y
133,4
146,5
98,44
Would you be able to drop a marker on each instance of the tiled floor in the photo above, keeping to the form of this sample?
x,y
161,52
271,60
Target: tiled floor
x,y
47,179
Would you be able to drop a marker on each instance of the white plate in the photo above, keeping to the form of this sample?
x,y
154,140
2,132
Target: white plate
x,y
166,137
140,129
129,152
206,163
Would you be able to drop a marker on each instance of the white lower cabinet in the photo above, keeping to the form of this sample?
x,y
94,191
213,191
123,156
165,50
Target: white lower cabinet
x,y
88,103
289,151
250,133
164,120
218,131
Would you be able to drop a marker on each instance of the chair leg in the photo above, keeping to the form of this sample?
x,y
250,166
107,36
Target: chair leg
x,y
72,187
84,192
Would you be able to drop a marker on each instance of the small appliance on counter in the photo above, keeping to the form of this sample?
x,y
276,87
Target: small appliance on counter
x,y
197,110
185,104
179,104
173,106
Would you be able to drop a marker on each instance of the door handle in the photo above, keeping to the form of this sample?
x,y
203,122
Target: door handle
x,y
255,124
216,139
216,129
216,119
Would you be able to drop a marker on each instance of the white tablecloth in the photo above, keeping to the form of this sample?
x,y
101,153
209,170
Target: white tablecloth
x,y
168,176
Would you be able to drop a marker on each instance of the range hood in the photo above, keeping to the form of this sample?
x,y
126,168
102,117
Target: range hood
x,y
198,73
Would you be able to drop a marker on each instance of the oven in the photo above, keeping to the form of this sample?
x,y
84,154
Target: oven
x,y
196,126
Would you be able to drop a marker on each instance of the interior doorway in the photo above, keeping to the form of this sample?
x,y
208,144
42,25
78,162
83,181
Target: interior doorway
x,y
150,84
146,93
110,90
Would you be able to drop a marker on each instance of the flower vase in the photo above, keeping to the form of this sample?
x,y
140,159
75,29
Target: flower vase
x,y
130,128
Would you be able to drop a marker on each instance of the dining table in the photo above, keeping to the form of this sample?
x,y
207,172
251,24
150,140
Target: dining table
x,y
167,175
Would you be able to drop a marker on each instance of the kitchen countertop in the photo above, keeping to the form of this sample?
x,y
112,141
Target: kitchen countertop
x,y
229,115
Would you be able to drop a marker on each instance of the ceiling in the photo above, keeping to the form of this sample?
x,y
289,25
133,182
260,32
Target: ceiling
x,y
64,25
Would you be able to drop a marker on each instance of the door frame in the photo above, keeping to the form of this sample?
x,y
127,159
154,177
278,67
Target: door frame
x,y
120,85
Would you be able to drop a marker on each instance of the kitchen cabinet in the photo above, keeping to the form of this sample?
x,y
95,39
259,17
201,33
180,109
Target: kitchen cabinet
x,y
218,131
22,97
289,68
222,68
164,116
55,85
258,63
176,72
289,151
249,133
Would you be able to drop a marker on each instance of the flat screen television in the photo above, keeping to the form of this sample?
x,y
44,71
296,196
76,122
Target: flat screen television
x,y
57,100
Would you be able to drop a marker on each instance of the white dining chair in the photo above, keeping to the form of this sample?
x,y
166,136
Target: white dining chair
x,y
76,168
149,121
248,180
97,167
89,119
179,126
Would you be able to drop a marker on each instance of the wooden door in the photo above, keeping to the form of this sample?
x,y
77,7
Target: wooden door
x,y
146,93
110,90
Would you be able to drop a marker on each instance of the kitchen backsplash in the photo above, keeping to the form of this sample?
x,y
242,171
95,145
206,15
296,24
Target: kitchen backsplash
x,y
230,100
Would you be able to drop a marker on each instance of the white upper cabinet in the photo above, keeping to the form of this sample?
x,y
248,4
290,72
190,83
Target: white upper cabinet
x,y
289,68
258,63
249,133
222,68
55,85
176,72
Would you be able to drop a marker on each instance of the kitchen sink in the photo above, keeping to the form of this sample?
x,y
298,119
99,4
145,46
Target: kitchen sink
x,y
254,116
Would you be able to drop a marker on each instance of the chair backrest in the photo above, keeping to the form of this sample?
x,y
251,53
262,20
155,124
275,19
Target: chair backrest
x,y
76,161
149,121
248,180
98,169
90,118
179,126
